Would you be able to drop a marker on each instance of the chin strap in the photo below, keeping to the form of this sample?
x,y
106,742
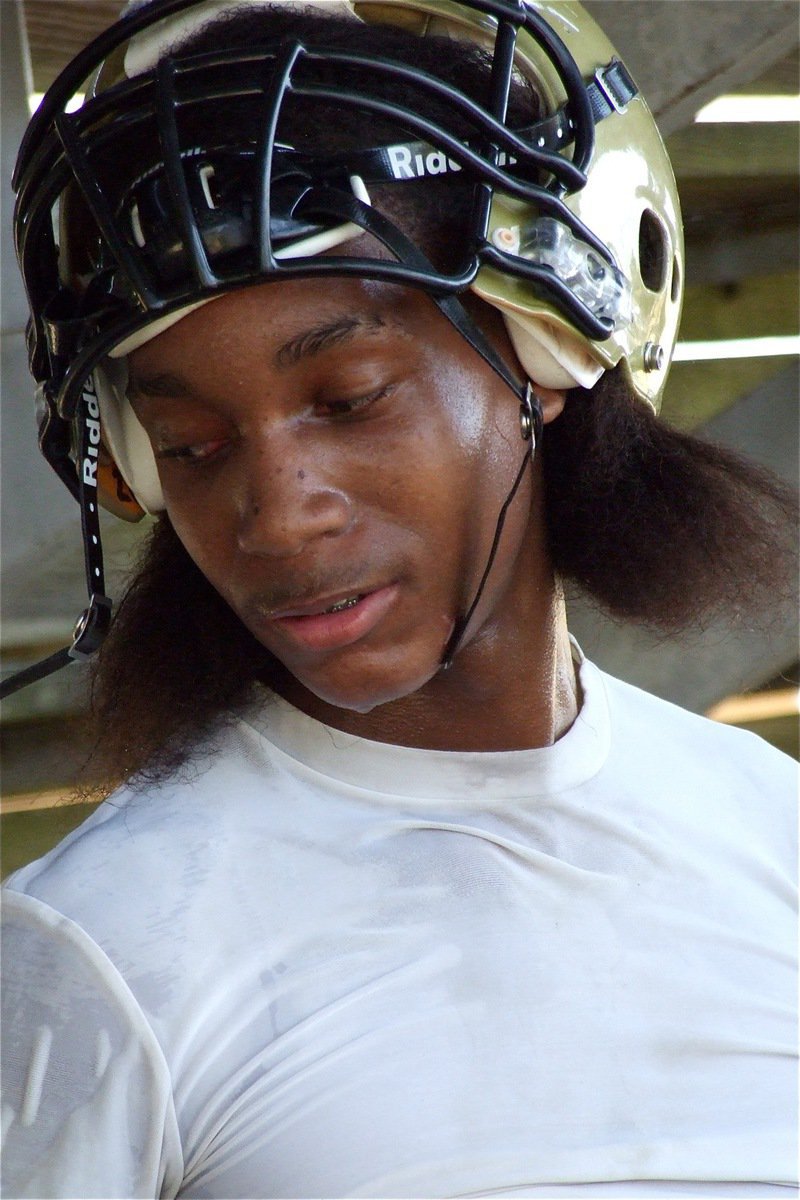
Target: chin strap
x,y
531,424
93,623
531,420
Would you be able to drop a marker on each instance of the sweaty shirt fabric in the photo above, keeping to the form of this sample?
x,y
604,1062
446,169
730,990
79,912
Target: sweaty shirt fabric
x,y
315,966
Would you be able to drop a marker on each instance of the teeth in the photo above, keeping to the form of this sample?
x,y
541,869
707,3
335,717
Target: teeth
x,y
350,602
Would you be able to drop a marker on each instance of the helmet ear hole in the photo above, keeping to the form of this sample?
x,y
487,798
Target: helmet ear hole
x,y
676,281
653,251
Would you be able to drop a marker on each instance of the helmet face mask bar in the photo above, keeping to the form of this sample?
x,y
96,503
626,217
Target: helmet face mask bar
x,y
192,220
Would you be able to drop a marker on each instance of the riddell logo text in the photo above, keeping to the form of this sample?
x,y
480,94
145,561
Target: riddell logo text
x,y
92,419
407,165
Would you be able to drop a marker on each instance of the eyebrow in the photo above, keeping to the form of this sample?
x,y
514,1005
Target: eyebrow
x,y
312,341
302,345
161,383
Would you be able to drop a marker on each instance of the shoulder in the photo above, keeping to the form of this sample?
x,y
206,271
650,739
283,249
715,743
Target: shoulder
x,y
713,779
641,716
60,972
78,1056
187,807
147,846
176,862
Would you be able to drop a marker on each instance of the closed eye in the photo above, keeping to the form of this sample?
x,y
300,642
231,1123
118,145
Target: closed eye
x,y
195,453
351,407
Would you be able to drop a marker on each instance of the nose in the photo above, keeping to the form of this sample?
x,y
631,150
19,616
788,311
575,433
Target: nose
x,y
288,501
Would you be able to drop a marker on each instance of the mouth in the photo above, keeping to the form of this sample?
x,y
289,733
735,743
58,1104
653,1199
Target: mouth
x,y
329,622
320,606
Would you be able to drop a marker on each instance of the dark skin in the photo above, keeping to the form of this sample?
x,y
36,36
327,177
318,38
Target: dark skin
x,y
338,443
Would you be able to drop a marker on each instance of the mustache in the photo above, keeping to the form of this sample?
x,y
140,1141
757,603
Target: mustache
x,y
290,591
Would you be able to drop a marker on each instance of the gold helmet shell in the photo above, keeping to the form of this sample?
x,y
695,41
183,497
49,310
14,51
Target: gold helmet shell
x,y
630,200
579,244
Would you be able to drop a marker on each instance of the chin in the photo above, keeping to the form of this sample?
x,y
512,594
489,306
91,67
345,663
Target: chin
x,y
363,692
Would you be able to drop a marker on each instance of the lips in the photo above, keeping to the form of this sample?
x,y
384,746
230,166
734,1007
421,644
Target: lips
x,y
330,622
336,601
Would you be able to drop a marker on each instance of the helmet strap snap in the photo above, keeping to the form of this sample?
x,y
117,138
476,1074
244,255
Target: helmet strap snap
x,y
530,416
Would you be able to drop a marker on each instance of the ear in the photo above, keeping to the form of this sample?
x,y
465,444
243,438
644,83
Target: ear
x,y
552,401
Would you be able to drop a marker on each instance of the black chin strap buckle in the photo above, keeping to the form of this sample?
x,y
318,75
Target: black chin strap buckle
x,y
91,628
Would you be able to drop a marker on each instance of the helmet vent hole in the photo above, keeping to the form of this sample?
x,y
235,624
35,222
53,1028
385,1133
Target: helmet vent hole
x,y
653,256
676,281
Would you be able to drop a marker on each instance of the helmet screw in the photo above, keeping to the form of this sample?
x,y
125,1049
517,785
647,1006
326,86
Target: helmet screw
x,y
507,239
653,356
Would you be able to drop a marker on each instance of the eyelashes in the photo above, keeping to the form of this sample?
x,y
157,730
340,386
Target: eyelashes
x,y
336,410
354,405
195,453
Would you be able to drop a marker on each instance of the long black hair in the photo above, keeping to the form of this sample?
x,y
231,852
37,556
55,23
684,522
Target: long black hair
x,y
655,526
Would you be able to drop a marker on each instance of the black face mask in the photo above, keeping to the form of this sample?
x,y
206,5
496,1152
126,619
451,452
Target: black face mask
x,y
203,217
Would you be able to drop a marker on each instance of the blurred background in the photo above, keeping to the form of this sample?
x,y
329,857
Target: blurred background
x,y
722,79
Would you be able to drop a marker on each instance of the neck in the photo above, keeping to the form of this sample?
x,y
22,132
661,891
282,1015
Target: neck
x,y
501,692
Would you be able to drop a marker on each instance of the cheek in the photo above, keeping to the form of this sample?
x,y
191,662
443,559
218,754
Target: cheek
x,y
491,452
436,472
207,533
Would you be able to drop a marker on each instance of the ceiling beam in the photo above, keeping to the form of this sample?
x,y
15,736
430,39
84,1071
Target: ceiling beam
x,y
717,150
722,260
685,54
758,306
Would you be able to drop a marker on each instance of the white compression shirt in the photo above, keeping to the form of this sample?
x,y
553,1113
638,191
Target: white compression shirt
x,y
321,967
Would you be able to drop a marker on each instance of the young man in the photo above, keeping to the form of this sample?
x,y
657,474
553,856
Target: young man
x,y
400,896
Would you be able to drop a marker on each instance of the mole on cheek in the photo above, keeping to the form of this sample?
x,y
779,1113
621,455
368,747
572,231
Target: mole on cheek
x,y
301,474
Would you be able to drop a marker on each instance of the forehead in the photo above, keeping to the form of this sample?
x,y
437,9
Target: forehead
x,y
284,322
